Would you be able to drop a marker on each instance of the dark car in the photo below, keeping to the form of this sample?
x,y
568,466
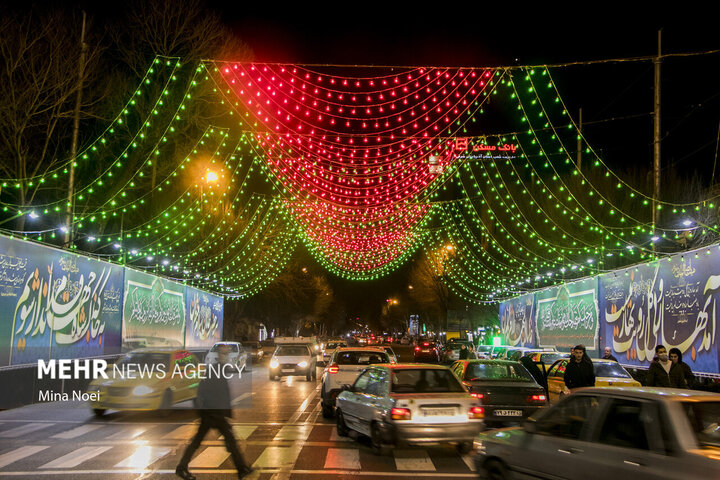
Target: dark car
x,y
508,392
427,352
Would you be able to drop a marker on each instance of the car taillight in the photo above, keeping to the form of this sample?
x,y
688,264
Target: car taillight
x,y
400,414
477,395
333,368
417,349
426,344
476,412
536,399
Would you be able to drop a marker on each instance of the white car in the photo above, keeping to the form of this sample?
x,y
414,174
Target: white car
x,y
345,365
409,404
330,348
237,357
293,360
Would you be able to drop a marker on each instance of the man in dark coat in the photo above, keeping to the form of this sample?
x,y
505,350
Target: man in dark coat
x,y
464,352
213,403
608,355
580,371
663,373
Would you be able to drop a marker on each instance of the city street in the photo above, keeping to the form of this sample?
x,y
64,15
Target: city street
x,y
279,427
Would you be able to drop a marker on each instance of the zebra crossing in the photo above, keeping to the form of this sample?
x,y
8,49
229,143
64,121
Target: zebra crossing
x,y
272,448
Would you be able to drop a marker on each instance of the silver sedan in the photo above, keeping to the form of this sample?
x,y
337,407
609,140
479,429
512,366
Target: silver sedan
x,y
600,433
411,404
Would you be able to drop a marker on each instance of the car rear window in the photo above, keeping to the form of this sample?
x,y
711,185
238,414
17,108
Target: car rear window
x,y
336,345
425,380
610,370
361,358
509,372
704,419
292,351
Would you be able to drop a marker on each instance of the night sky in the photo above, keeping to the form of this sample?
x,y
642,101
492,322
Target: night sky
x,y
616,98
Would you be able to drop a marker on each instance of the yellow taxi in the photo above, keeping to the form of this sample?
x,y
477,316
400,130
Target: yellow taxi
x,y
607,374
146,379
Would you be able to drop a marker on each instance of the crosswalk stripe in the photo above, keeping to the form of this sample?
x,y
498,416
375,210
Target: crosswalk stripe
x,y
19,454
413,460
75,458
211,457
183,432
76,432
129,433
25,429
469,461
241,432
343,458
277,457
294,432
143,457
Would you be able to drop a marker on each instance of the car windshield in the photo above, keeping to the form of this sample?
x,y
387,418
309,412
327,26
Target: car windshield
x,y
145,360
704,418
231,347
610,369
292,351
335,345
389,351
484,348
424,380
501,372
361,358
550,358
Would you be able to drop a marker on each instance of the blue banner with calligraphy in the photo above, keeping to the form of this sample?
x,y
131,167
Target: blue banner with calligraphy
x,y
671,302
517,317
204,318
56,304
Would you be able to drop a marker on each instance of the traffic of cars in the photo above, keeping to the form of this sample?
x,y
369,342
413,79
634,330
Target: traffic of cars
x,y
510,404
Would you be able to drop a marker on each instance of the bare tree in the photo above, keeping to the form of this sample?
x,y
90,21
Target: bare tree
x,y
40,54
430,291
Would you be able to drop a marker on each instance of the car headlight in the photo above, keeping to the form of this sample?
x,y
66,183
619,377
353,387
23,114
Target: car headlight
x,y
302,364
317,347
142,390
274,363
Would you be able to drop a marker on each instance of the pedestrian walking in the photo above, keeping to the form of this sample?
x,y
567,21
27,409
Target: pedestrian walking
x,y
663,372
213,403
579,371
607,355
676,357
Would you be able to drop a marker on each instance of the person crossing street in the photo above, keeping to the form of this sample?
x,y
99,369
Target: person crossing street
x,y
213,403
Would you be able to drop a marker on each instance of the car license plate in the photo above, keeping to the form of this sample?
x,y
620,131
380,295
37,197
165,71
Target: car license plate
x,y
438,412
508,413
288,370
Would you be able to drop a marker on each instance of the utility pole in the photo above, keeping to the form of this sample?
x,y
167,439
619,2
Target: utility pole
x,y
656,150
76,131
579,142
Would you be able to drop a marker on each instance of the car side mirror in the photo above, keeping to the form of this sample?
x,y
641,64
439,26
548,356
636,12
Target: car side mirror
x,y
530,426
346,388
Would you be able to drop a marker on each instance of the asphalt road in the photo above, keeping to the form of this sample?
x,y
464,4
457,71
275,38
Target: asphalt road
x,y
278,425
